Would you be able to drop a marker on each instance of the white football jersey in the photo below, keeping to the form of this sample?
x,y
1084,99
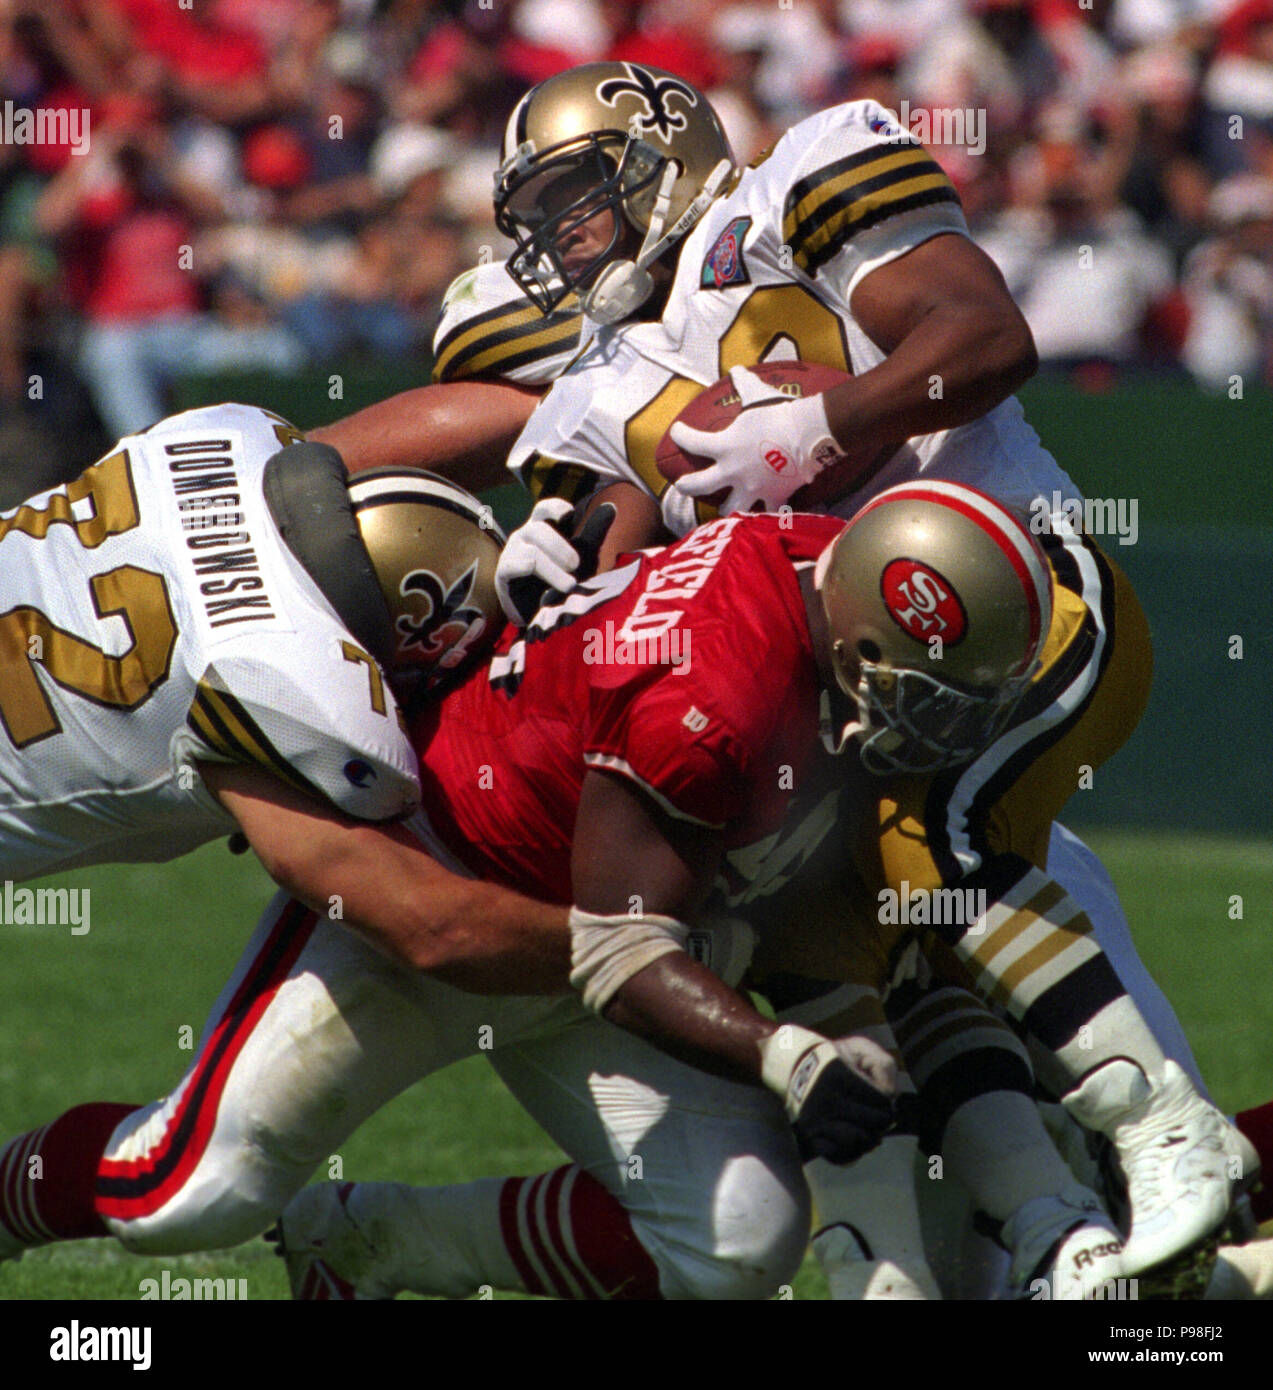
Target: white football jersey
x,y
767,274
151,616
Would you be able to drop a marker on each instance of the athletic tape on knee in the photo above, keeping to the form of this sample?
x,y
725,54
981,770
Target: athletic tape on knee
x,y
605,952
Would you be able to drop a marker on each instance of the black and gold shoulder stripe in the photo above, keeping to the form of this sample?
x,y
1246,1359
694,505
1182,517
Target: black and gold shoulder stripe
x,y
502,339
545,477
229,730
824,210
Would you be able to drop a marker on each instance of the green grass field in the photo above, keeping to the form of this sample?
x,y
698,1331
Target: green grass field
x,y
100,1017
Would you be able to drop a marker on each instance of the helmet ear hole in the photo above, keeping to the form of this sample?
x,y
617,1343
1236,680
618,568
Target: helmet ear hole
x,y
869,651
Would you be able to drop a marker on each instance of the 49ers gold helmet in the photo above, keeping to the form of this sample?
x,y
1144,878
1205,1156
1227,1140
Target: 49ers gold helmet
x,y
938,602
406,559
620,136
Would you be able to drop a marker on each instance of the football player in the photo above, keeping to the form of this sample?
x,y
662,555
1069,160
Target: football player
x,y
485,333
691,772
845,245
211,608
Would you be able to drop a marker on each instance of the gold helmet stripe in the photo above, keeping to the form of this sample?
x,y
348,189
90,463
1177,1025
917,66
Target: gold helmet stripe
x,y
376,488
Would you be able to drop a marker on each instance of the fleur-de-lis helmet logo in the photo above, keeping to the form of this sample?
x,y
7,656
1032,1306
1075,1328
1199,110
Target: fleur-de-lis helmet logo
x,y
450,624
654,94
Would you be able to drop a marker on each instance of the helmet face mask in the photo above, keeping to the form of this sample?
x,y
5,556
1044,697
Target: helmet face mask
x,y
910,722
617,137
531,211
938,602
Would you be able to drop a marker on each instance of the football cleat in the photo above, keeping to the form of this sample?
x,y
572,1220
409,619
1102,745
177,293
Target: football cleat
x,y
1065,1242
327,1254
1180,1159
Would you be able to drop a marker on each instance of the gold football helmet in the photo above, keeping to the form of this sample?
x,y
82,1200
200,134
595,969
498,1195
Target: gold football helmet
x,y
605,136
406,559
938,602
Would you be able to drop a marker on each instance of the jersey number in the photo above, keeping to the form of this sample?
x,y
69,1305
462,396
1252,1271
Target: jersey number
x,y
138,596
773,316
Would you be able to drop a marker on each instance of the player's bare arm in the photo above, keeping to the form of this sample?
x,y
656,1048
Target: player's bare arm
x,y
637,522
666,867
476,936
461,430
835,1094
943,314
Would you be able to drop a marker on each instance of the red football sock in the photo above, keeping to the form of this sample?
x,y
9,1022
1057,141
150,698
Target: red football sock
x,y
1257,1125
47,1175
590,1246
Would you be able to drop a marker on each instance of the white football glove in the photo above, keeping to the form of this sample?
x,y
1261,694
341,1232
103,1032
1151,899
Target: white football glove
x,y
773,448
540,563
538,551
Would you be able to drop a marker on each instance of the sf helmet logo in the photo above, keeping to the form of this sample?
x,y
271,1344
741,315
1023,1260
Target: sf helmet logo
x,y
922,602
449,625
653,93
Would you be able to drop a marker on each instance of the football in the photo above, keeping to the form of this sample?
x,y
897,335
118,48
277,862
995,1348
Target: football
x,y
716,406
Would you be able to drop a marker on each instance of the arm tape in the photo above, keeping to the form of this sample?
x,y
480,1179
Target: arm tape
x,y
607,951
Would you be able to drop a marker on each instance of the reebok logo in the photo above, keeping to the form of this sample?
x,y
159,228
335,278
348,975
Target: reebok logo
x,y
1089,1253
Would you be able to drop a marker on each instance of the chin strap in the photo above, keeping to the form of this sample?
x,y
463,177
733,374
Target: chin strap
x,y
623,287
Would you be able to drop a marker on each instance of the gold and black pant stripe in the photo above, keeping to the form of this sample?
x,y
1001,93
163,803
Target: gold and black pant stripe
x,y
545,477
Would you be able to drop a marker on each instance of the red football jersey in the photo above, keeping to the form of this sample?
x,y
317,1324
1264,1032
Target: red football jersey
x,y
689,670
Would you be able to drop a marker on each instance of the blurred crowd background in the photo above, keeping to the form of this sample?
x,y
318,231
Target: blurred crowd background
x,y
280,186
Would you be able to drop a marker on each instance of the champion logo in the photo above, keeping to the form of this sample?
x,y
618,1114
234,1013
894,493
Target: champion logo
x,y
359,772
923,602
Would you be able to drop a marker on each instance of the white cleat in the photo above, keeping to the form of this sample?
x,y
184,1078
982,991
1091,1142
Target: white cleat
x,y
1063,1247
1181,1159
328,1255
853,1277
